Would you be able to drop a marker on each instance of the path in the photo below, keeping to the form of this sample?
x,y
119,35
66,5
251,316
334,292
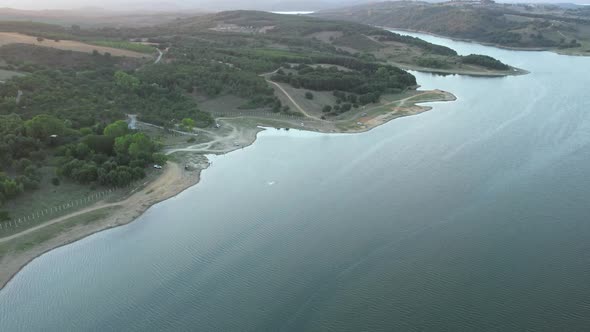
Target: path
x,y
289,96
401,102
159,56
160,127
171,173
293,100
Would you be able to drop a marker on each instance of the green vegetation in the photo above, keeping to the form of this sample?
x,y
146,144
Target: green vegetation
x,y
62,123
136,47
45,234
369,82
521,25
114,157
484,61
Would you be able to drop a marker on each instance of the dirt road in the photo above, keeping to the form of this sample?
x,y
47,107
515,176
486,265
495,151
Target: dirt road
x,y
166,184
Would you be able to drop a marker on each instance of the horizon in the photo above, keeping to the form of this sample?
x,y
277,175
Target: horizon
x,y
203,5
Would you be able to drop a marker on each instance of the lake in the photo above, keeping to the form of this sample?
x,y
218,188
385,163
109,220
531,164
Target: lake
x,y
473,216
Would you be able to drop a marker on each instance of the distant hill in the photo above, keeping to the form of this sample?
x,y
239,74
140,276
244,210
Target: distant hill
x,y
95,17
541,26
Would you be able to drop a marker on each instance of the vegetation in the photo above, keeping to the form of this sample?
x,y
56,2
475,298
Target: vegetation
x,y
66,114
136,47
522,25
369,82
71,119
484,61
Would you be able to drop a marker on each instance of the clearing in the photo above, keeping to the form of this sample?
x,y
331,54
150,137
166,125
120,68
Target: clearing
x,y
68,45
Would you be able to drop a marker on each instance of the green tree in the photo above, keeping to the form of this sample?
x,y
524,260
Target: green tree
x,y
116,129
125,80
309,95
43,126
188,124
327,109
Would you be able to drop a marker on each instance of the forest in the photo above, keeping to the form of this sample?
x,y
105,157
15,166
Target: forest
x,y
371,80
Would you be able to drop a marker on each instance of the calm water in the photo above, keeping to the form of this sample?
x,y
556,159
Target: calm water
x,y
474,216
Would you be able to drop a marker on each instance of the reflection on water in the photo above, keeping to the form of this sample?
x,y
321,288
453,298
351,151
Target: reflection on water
x,y
473,216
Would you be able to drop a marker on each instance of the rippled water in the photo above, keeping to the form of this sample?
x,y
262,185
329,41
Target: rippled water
x,y
473,216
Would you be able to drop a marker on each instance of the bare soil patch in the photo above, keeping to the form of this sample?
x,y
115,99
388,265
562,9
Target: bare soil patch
x,y
68,45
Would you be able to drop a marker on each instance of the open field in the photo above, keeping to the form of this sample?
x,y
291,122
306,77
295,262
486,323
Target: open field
x,y
7,74
50,201
68,45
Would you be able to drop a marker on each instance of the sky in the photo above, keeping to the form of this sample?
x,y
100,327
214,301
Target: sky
x,y
194,4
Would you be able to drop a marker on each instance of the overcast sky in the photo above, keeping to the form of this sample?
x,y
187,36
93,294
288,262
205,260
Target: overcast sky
x,y
182,4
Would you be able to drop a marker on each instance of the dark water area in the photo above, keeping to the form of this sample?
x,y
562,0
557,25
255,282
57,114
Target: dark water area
x,y
473,216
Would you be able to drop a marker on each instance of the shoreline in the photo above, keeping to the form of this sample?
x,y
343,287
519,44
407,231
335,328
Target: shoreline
x,y
512,48
171,183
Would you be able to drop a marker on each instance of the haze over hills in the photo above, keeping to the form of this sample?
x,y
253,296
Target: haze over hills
x,y
208,5
175,5
564,29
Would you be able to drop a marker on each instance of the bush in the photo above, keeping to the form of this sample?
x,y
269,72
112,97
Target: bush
x,y
484,61
4,215
55,181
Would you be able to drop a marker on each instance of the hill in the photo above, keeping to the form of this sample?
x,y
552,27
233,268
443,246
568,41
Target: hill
x,y
62,109
532,26
303,36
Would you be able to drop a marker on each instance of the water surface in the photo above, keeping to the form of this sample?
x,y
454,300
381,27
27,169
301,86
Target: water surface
x,y
473,216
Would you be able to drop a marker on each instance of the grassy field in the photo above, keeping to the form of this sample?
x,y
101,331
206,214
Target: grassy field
x,y
172,139
7,74
313,106
221,105
65,198
135,47
70,45
46,233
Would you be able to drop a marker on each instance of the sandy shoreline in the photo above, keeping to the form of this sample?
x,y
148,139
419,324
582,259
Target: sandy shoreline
x,y
172,182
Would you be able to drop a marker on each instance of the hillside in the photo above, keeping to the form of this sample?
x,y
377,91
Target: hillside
x,y
303,36
534,26
64,98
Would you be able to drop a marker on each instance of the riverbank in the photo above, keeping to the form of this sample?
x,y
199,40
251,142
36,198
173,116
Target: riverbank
x,y
564,51
18,250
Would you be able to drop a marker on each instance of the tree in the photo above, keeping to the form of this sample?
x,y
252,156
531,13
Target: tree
x,y
188,124
11,189
116,129
159,158
40,39
309,95
100,143
82,151
125,80
43,126
4,215
327,109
